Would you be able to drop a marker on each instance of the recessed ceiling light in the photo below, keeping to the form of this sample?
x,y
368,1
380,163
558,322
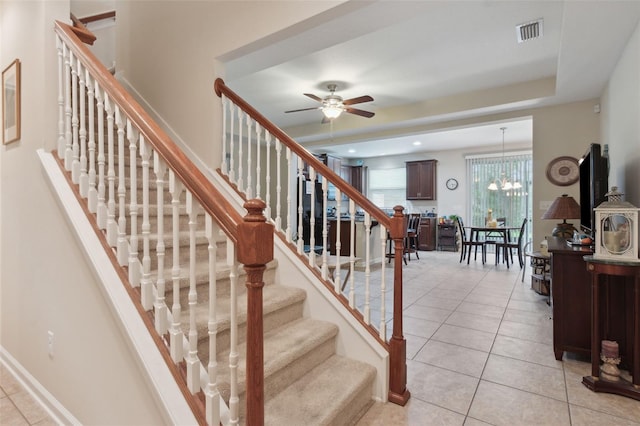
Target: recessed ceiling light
x,y
416,143
351,151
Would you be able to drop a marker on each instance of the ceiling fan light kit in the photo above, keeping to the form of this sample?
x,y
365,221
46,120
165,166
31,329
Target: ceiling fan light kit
x,y
333,105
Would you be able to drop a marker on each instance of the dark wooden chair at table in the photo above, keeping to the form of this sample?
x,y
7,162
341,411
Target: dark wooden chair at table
x,y
517,245
467,244
496,239
411,239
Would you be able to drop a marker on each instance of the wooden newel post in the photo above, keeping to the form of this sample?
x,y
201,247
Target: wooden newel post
x,y
255,250
398,393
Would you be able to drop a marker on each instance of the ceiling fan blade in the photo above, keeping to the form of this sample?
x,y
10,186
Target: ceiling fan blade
x,y
360,112
358,100
312,96
303,109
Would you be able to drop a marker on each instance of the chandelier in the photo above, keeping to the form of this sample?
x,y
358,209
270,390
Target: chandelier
x,y
504,183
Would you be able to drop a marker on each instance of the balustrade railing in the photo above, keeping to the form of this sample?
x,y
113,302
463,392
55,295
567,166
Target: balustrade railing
x,y
156,208
262,161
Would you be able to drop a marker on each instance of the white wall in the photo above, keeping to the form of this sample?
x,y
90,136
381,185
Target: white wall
x,y
45,283
168,51
621,121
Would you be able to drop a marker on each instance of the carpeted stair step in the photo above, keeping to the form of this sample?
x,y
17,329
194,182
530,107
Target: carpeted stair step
x,y
223,280
281,304
290,351
336,392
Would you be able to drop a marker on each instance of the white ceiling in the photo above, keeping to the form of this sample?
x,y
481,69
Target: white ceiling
x,y
429,62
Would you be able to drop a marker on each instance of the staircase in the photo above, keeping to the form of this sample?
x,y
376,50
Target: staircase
x,y
165,244
305,382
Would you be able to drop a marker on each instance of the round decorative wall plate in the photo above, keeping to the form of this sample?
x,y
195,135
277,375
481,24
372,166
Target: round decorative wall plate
x,y
563,171
452,184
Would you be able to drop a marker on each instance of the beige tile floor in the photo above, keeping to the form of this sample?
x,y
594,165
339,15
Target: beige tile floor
x,y
17,406
479,348
480,352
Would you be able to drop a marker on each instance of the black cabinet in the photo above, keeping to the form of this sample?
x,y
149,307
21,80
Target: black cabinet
x,y
447,237
421,180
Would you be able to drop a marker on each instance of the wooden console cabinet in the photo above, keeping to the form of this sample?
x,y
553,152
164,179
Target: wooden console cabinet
x,y
427,235
571,298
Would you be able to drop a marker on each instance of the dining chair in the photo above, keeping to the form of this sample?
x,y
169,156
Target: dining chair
x,y
413,231
497,240
467,244
517,245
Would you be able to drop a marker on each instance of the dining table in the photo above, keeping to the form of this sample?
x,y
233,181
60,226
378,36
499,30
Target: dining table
x,y
476,232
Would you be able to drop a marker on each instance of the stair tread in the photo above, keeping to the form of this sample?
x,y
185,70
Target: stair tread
x,y
282,346
274,297
324,392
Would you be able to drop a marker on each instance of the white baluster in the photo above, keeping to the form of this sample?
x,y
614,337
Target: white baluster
x,y
249,190
267,210
122,248
75,145
134,262
211,392
325,230
102,213
232,172
258,165
233,346
224,165
112,227
337,275
92,193
68,149
240,182
312,219
383,287
146,286
352,232
278,186
176,335
367,266
61,48
160,169
192,360
290,189
301,194
366,314
84,178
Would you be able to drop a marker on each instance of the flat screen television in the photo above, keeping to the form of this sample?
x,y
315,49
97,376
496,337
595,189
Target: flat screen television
x,y
594,184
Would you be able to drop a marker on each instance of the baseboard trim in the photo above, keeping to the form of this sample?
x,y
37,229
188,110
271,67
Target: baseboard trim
x,y
49,403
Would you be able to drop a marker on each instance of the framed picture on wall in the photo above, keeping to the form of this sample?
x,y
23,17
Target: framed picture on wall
x,y
11,103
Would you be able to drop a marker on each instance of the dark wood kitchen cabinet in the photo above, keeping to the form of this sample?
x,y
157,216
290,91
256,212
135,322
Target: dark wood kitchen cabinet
x,y
427,235
421,180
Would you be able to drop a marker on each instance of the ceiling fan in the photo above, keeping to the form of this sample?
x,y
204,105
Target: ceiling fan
x,y
333,105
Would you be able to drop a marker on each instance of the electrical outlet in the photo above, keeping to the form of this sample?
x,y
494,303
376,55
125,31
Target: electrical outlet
x,y
50,342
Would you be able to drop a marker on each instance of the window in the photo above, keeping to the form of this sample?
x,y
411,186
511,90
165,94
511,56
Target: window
x,y
512,204
387,187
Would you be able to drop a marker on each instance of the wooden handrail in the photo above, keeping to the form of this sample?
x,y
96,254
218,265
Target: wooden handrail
x,y
98,17
83,33
193,179
376,213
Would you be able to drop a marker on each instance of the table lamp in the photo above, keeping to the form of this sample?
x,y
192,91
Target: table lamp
x,y
564,207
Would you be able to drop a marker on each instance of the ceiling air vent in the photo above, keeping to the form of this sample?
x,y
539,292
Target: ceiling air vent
x,y
529,30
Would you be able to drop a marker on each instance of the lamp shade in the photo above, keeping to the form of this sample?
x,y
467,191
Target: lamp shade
x,y
563,207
